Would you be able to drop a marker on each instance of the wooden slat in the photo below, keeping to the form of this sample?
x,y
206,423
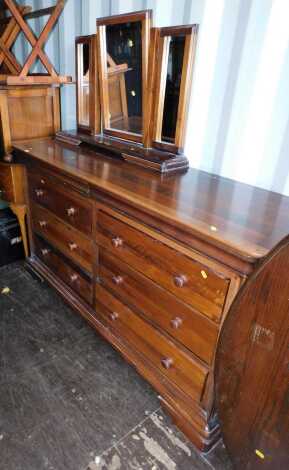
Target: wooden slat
x,y
30,14
36,43
5,122
39,13
36,80
7,40
42,39
10,61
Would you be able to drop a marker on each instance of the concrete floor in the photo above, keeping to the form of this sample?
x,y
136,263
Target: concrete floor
x,y
68,401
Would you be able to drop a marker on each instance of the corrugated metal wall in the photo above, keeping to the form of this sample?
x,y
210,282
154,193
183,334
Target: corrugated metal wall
x,y
239,120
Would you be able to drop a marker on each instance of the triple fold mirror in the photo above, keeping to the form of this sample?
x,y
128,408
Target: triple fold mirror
x,y
133,81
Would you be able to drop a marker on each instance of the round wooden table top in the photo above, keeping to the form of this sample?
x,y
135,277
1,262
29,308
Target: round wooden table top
x,y
252,368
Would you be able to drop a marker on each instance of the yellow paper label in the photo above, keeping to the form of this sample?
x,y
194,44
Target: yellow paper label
x,y
260,454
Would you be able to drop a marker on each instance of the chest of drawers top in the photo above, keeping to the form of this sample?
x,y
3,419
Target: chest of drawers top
x,y
238,223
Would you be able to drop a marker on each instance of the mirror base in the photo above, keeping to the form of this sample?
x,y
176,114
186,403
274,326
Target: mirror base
x,y
151,159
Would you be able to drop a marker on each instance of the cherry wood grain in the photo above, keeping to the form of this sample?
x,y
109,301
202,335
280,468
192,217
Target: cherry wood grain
x,y
72,276
155,160
11,179
189,280
179,367
30,112
69,241
239,219
163,309
252,368
72,208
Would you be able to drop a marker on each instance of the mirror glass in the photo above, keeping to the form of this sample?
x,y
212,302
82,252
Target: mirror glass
x,y
172,88
83,83
124,75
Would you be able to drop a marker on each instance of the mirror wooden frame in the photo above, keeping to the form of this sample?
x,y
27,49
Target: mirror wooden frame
x,y
145,18
145,149
94,126
162,43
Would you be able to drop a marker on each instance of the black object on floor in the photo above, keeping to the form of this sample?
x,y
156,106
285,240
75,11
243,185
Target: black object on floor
x,y
11,245
68,401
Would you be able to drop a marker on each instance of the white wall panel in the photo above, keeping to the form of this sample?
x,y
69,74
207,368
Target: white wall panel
x,y
255,27
205,65
69,28
219,83
125,6
251,152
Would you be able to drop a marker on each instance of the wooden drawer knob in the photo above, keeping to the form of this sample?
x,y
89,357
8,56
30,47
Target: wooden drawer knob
x,y
113,316
180,280
39,192
176,323
70,211
167,362
73,277
45,251
117,280
43,223
72,246
117,242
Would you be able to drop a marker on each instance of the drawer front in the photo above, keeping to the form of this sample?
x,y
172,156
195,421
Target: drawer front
x,y
192,329
179,367
66,239
77,281
186,278
66,204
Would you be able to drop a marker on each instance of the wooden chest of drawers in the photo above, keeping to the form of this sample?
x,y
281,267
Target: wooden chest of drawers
x,y
153,271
